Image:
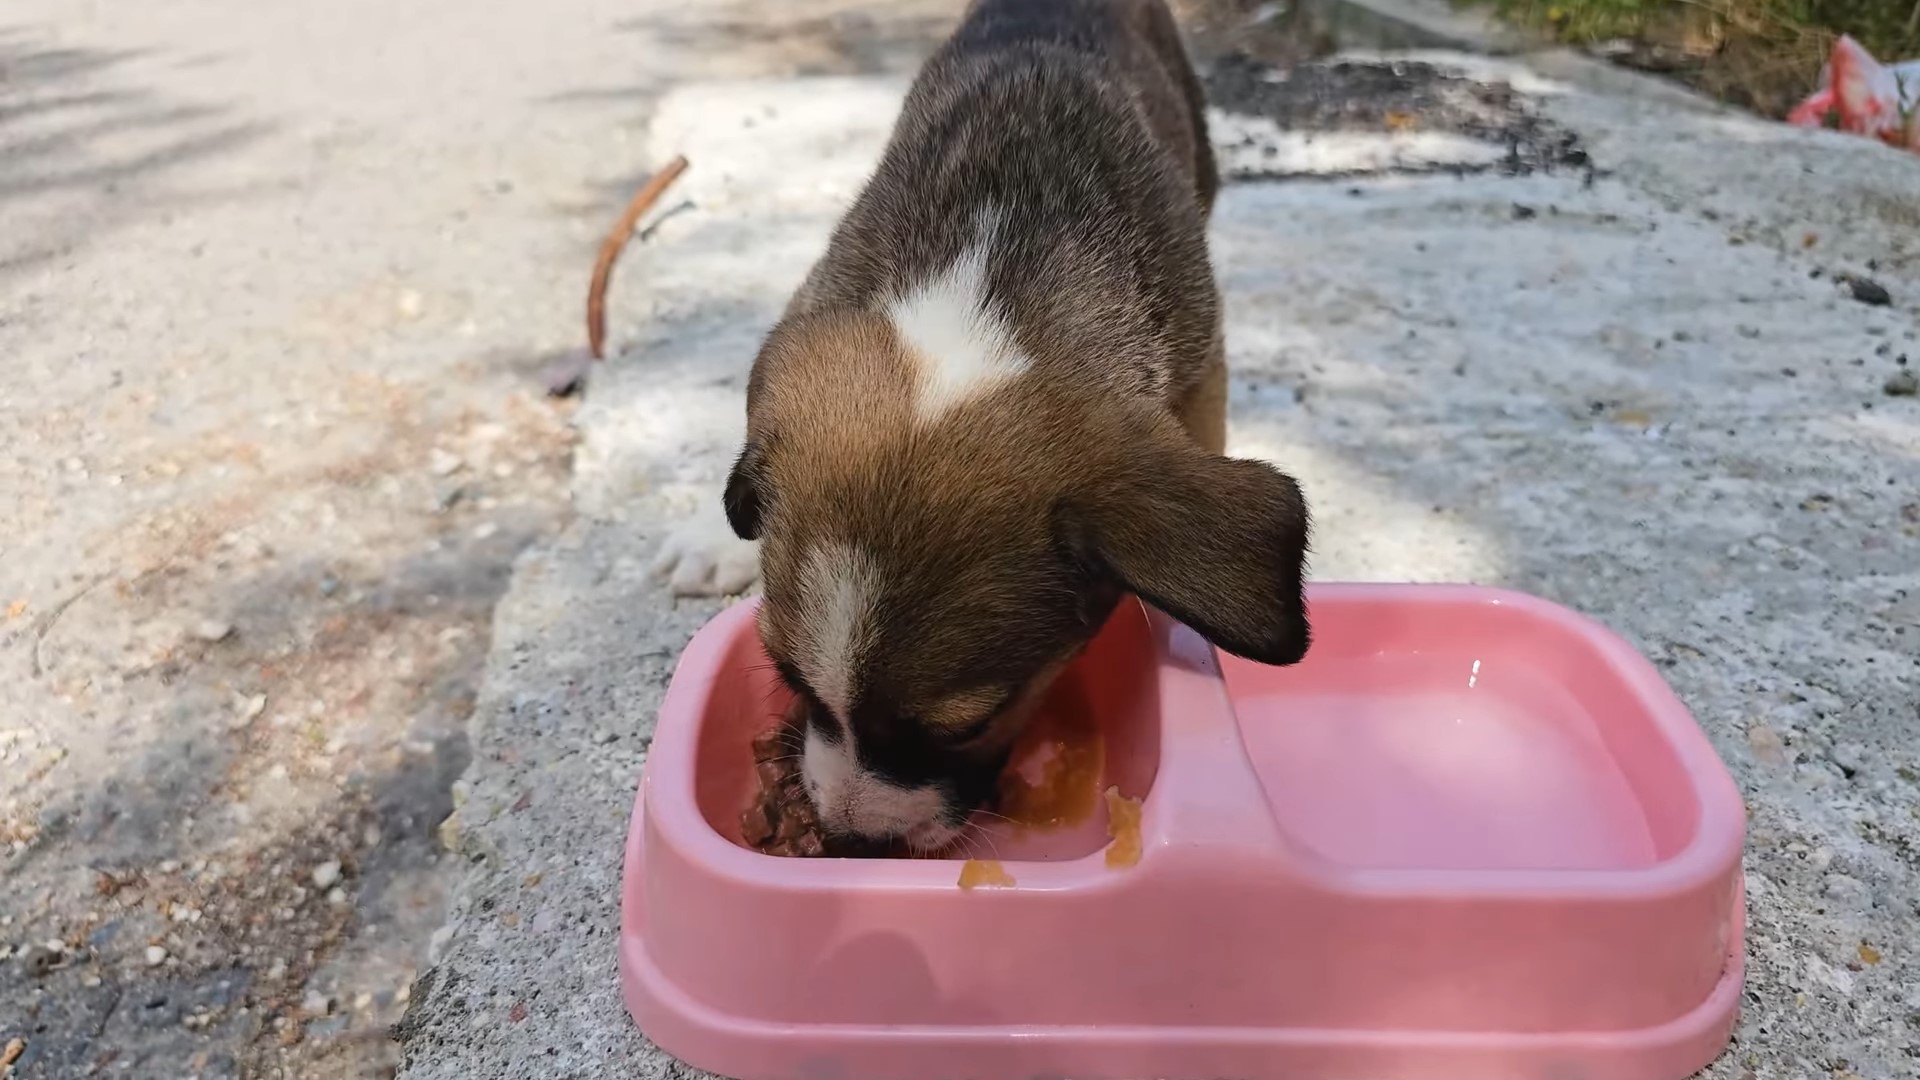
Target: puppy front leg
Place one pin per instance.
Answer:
(702, 557)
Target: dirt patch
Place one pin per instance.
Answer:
(1395, 99)
(245, 880)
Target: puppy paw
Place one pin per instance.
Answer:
(703, 557)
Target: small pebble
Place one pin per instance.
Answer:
(1851, 757)
(1768, 747)
(247, 709)
(1902, 383)
(1836, 979)
(337, 896)
(156, 955)
(444, 463)
(316, 1003)
(326, 875)
(212, 630)
(1868, 291)
(39, 960)
(1850, 893)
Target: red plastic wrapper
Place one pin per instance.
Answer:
(1862, 96)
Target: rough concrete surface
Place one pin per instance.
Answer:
(277, 282)
(1639, 392)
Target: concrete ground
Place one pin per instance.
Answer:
(1637, 390)
(275, 284)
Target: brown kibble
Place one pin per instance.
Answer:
(773, 743)
(1123, 824)
(792, 824)
(984, 873)
(781, 820)
(1869, 955)
(772, 774)
(755, 829)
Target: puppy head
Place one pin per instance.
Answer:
(929, 572)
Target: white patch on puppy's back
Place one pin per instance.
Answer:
(839, 588)
(961, 346)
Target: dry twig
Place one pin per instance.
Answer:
(611, 247)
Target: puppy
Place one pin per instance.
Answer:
(996, 406)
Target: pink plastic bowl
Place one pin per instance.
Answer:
(1474, 836)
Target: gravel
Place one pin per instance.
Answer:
(1392, 99)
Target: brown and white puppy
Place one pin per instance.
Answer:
(997, 405)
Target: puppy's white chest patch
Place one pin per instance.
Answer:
(960, 345)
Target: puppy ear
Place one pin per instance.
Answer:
(1218, 543)
(745, 494)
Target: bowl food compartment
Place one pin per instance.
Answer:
(1098, 728)
(1472, 835)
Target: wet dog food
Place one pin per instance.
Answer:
(781, 820)
(984, 873)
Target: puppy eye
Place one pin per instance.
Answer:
(790, 675)
(978, 729)
(984, 706)
(816, 713)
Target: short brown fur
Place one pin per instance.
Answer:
(1071, 135)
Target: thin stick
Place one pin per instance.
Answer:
(611, 247)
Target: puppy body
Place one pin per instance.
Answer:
(995, 406)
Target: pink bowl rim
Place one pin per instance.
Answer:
(1718, 837)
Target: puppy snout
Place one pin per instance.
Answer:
(853, 800)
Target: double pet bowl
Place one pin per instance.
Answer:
(1473, 836)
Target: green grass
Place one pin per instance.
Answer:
(1762, 54)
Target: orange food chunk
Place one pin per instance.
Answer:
(1053, 777)
(984, 873)
(1123, 824)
